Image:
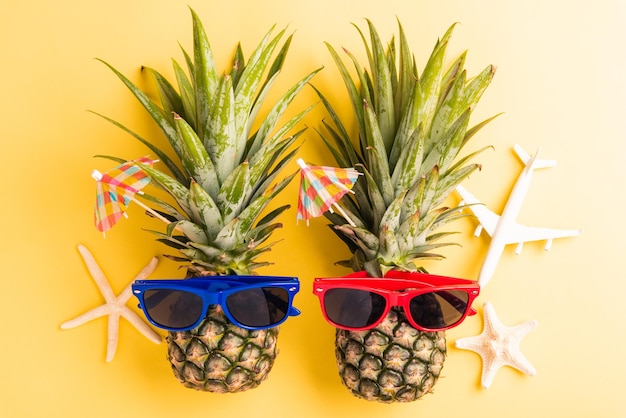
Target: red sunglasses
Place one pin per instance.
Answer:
(432, 303)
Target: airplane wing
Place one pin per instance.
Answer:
(488, 219)
(518, 234)
(532, 160)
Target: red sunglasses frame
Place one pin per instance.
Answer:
(398, 288)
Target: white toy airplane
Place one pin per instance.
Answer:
(503, 229)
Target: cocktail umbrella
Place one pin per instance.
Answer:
(116, 189)
(320, 189)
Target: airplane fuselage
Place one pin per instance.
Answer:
(505, 223)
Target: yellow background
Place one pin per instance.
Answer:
(560, 83)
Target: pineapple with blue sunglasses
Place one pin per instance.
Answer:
(250, 302)
(223, 179)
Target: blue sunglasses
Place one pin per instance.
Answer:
(250, 302)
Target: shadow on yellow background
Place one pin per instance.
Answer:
(559, 81)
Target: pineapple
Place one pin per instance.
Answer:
(222, 179)
(411, 128)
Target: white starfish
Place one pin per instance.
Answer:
(498, 345)
(114, 306)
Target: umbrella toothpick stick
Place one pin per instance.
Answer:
(151, 211)
(345, 216)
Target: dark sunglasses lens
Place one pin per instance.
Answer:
(260, 307)
(353, 308)
(172, 308)
(439, 309)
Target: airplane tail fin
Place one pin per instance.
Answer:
(533, 160)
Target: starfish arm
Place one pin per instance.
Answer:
(126, 294)
(514, 356)
(470, 343)
(138, 323)
(97, 274)
(148, 269)
(524, 328)
(498, 345)
(91, 314)
(113, 334)
(492, 324)
(521, 363)
(490, 368)
(115, 306)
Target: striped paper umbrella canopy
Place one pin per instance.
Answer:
(321, 187)
(115, 189)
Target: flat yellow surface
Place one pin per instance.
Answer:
(560, 83)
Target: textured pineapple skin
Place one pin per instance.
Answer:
(221, 357)
(393, 362)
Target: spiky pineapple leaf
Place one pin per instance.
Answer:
(271, 216)
(238, 64)
(270, 178)
(389, 249)
(205, 75)
(383, 90)
(409, 174)
(175, 189)
(473, 130)
(186, 94)
(259, 167)
(221, 142)
(407, 75)
(170, 99)
(408, 229)
(259, 235)
(278, 63)
(408, 166)
(166, 210)
(409, 123)
(233, 194)
(450, 180)
(193, 232)
(380, 173)
(372, 203)
(353, 92)
(208, 250)
(391, 218)
(157, 151)
(195, 158)
(204, 210)
(454, 140)
(340, 135)
(430, 88)
(153, 110)
(250, 81)
(447, 147)
(361, 238)
(271, 118)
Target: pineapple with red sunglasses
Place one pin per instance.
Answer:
(391, 315)
(429, 303)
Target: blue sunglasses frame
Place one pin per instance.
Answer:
(215, 290)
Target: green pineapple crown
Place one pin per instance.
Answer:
(225, 174)
(411, 129)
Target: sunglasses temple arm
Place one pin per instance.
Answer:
(472, 311)
(293, 311)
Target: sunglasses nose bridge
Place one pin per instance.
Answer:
(396, 298)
